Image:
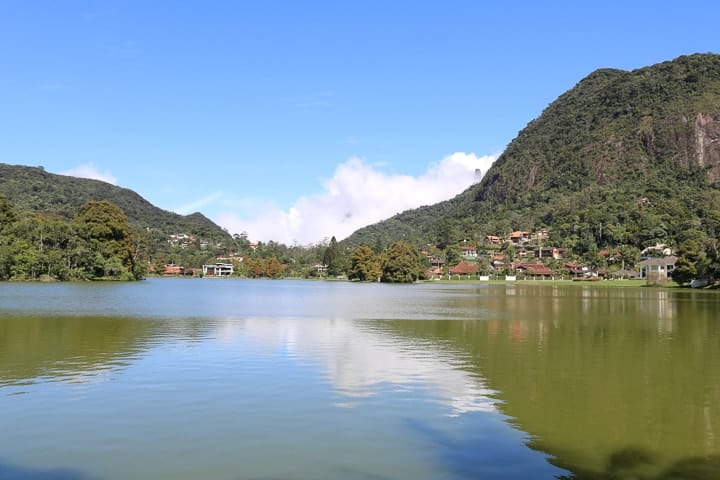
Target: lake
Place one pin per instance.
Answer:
(251, 379)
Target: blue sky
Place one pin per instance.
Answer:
(301, 120)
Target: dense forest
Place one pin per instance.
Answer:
(96, 243)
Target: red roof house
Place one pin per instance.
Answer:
(464, 268)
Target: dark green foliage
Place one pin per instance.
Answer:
(692, 262)
(106, 229)
(698, 261)
(332, 258)
(401, 263)
(33, 189)
(623, 158)
(96, 244)
(7, 213)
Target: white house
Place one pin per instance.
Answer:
(657, 268)
(218, 270)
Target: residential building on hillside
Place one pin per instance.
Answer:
(519, 237)
(550, 252)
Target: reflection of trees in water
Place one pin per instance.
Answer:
(79, 348)
(634, 366)
(640, 464)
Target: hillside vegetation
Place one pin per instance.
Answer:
(34, 189)
(623, 158)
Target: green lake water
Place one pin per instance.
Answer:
(241, 379)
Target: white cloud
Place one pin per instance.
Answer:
(357, 195)
(198, 204)
(89, 170)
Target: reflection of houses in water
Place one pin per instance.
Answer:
(661, 306)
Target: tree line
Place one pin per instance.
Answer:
(97, 243)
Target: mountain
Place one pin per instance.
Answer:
(34, 189)
(622, 158)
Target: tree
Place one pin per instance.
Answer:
(691, 262)
(712, 254)
(401, 263)
(330, 258)
(7, 213)
(106, 227)
(364, 265)
(453, 254)
(447, 234)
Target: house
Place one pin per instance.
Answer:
(578, 271)
(657, 268)
(176, 270)
(434, 273)
(321, 269)
(609, 255)
(436, 262)
(550, 252)
(182, 240)
(468, 251)
(659, 249)
(540, 235)
(218, 270)
(628, 274)
(535, 270)
(464, 268)
(497, 260)
(519, 237)
(492, 240)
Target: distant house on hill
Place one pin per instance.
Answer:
(464, 268)
(492, 240)
(436, 262)
(469, 251)
(550, 252)
(657, 250)
(519, 237)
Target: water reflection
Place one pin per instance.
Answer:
(82, 349)
(597, 376)
(361, 358)
(456, 381)
(15, 472)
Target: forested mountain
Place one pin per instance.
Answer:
(623, 158)
(34, 189)
(69, 228)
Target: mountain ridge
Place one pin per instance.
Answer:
(34, 189)
(623, 157)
